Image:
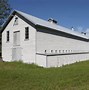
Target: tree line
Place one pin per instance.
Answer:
(5, 10)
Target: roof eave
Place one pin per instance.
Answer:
(37, 25)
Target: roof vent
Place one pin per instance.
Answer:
(83, 33)
(52, 20)
(72, 28)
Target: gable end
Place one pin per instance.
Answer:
(19, 15)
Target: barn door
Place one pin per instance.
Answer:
(16, 38)
(16, 50)
(16, 54)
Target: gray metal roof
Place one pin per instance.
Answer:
(44, 23)
(38, 21)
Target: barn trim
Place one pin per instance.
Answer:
(59, 33)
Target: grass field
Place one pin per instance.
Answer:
(19, 76)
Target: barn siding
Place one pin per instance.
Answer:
(60, 60)
(27, 46)
(41, 60)
(48, 42)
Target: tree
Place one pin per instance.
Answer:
(4, 12)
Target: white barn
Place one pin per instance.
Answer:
(33, 40)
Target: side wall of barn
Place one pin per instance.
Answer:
(52, 42)
(60, 60)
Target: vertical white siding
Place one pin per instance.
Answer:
(41, 60)
(60, 60)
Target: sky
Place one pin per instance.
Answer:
(68, 13)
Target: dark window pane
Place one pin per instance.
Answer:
(16, 21)
(7, 35)
(27, 33)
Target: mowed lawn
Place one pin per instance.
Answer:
(19, 76)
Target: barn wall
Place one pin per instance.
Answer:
(41, 60)
(60, 60)
(27, 46)
(57, 43)
(48, 42)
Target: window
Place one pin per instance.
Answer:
(16, 21)
(69, 51)
(16, 38)
(8, 36)
(45, 51)
(59, 51)
(66, 51)
(51, 51)
(63, 51)
(55, 51)
(26, 32)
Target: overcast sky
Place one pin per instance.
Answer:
(68, 13)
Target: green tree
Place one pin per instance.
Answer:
(4, 12)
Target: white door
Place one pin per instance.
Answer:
(16, 51)
(16, 54)
(16, 38)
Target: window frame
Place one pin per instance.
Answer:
(26, 33)
(16, 21)
(8, 36)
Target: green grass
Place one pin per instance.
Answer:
(19, 76)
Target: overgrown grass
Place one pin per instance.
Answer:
(19, 76)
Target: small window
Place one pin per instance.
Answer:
(63, 51)
(59, 51)
(26, 32)
(16, 21)
(68, 50)
(51, 51)
(45, 51)
(8, 36)
(55, 51)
